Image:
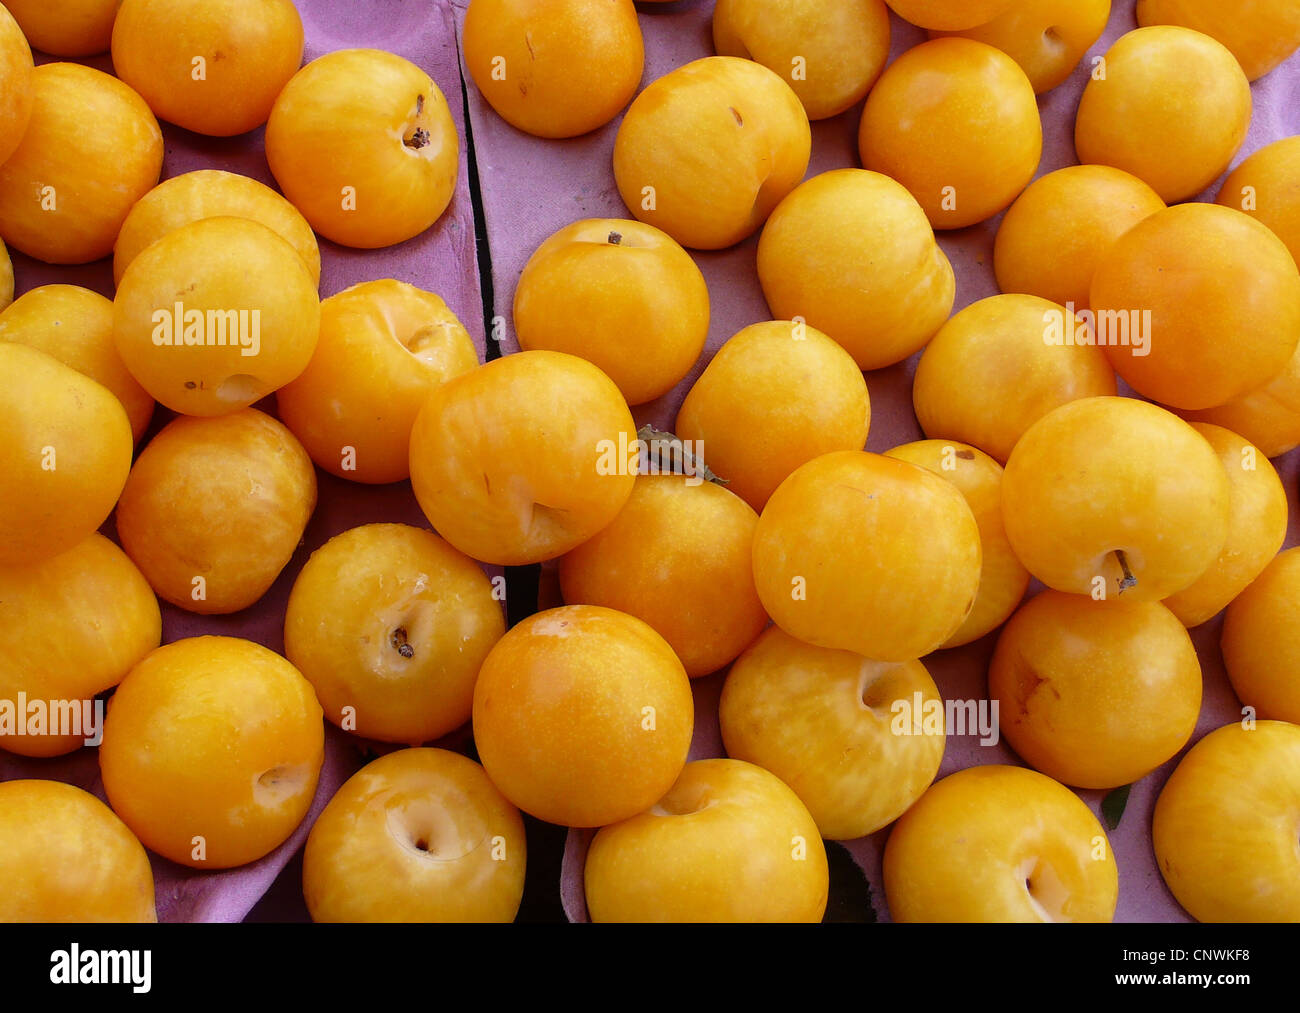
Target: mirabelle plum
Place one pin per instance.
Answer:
(1257, 522)
(65, 857)
(831, 51)
(75, 325)
(1003, 579)
(956, 122)
(851, 253)
(1259, 33)
(15, 84)
(1269, 416)
(383, 347)
(990, 374)
(1095, 693)
(554, 68)
(214, 509)
(419, 835)
(620, 294)
(363, 143)
(1224, 825)
(828, 724)
(6, 277)
(1261, 650)
(66, 189)
(1053, 237)
(1047, 38)
(678, 557)
(1218, 296)
(728, 843)
(949, 15)
(583, 716)
(1000, 844)
(1172, 108)
(211, 66)
(709, 149)
(390, 625)
(1267, 187)
(65, 455)
(869, 554)
(212, 749)
(1112, 494)
(216, 315)
(211, 193)
(106, 619)
(68, 28)
(524, 458)
(750, 413)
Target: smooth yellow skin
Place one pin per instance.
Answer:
(211, 193)
(1260, 648)
(419, 835)
(620, 294)
(65, 456)
(554, 69)
(823, 722)
(1225, 825)
(66, 189)
(865, 553)
(1224, 297)
(1047, 38)
(678, 557)
(384, 346)
(1053, 237)
(75, 325)
(1003, 579)
(1108, 473)
(843, 45)
(16, 83)
(225, 499)
(750, 410)
(721, 141)
(949, 15)
(69, 28)
(73, 626)
(507, 460)
(1259, 33)
(728, 843)
(217, 738)
(1000, 844)
(956, 122)
(1268, 416)
(851, 253)
(250, 49)
(583, 715)
(1257, 522)
(374, 123)
(1096, 694)
(1267, 187)
(65, 857)
(341, 631)
(218, 265)
(988, 375)
(1173, 109)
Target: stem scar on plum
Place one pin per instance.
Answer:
(615, 238)
(397, 640)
